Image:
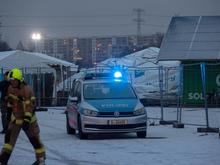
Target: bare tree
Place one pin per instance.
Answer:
(20, 46)
(4, 46)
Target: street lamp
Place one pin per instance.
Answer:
(36, 37)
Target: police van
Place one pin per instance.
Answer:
(104, 103)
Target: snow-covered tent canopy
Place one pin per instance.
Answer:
(136, 59)
(143, 68)
(23, 59)
(140, 59)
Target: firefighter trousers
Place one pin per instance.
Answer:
(11, 137)
(5, 116)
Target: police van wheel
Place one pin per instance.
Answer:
(141, 134)
(81, 134)
(69, 130)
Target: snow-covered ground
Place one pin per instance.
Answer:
(164, 144)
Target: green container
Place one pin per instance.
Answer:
(192, 84)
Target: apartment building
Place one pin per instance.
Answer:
(89, 51)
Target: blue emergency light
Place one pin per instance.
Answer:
(117, 74)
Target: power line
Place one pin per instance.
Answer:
(63, 16)
(155, 25)
(155, 15)
(63, 26)
(78, 16)
(80, 26)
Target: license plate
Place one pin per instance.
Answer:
(117, 122)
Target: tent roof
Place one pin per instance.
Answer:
(192, 38)
(23, 59)
(148, 55)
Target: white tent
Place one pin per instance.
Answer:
(136, 59)
(23, 59)
(36, 63)
(143, 69)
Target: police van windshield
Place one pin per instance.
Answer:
(108, 91)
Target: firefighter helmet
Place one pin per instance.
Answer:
(16, 74)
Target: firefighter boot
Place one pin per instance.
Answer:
(40, 161)
(3, 163)
(4, 157)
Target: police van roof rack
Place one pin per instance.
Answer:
(97, 73)
(96, 76)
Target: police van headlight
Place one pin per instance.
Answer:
(89, 112)
(140, 111)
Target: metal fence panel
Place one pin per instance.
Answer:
(176, 87)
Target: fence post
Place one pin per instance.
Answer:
(181, 92)
(38, 88)
(44, 100)
(203, 76)
(178, 124)
(161, 91)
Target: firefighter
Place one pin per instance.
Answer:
(22, 99)
(5, 111)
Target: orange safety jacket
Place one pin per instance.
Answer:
(22, 101)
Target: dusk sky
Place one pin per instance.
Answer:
(86, 18)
